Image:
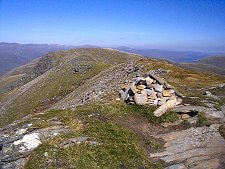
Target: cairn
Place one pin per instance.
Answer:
(150, 90)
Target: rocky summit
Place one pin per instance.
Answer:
(150, 90)
(102, 108)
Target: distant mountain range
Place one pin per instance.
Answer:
(176, 56)
(13, 55)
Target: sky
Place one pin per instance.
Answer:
(157, 24)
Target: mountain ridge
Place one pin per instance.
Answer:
(66, 108)
(14, 54)
(173, 55)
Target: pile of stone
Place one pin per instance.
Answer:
(150, 90)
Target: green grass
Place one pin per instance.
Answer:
(218, 91)
(153, 143)
(185, 81)
(193, 101)
(218, 107)
(147, 111)
(40, 124)
(118, 148)
(202, 120)
(61, 81)
(56, 85)
(119, 108)
(100, 111)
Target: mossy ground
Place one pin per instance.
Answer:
(153, 143)
(118, 147)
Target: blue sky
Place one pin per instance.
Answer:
(163, 24)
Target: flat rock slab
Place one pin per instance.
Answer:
(209, 112)
(196, 148)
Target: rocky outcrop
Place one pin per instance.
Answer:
(16, 144)
(150, 90)
(210, 113)
(195, 148)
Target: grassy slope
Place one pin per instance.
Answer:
(186, 81)
(214, 64)
(16, 74)
(120, 147)
(59, 81)
(218, 61)
(203, 67)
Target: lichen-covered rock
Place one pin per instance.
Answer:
(28, 142)
(158, 87)
(141, 87)
(140, 98)
(149, 91)
(149, 81)
(197, 148)
(153, 96)
(134, 88)
(167, 93)
(167, 106)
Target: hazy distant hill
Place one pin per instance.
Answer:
(14, 54)
(177, 56)
(218, 61)
(211, 64)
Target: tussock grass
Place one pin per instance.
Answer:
(202, 120)
(153, 144)
(193, 101)
(117, 148)
(119, 108)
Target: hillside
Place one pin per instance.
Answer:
(9, 78)
(54, 76)
(172, 55)
(63, 111)
(13, 55)
(218, 61)
(210, 64)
